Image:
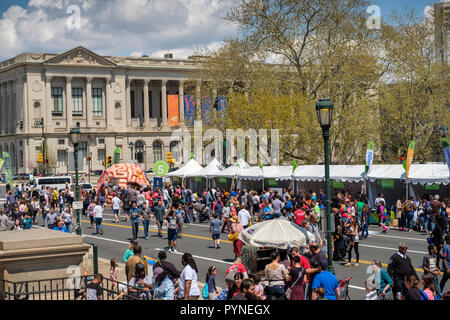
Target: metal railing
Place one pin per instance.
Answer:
(68, 288)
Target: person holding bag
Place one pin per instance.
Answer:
(236, 229)
(297, 276)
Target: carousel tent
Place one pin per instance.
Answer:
(278, 233)
(192, 167)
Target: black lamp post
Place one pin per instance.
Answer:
(324, 109)
(131, 144)
(75, 136)
(443, 131)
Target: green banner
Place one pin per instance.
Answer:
(432, 187)
(294, 165)
(1, 163)
(272, 182)
(223, 180)
(338, 185)
(116, 157)
(160, 168)
(387, 184)
(176, 179)
(8, 168)
(198, 179)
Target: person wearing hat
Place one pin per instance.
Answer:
(162, 285)
(327, 280)
(236, 229)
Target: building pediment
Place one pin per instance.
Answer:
(80, 56)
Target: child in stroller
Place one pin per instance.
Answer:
(203, 212)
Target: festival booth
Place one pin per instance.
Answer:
(121, 175)
(263, 238)
(312, 177)
(228, 178)
(207, 173)
(190, 168)
(432, 179)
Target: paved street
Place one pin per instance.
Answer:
(197, 241)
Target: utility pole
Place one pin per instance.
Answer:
(43, 147)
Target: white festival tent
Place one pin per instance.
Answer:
(278, 233)
(210, 171)
(233, 171)
(191, 167)
(344, 173)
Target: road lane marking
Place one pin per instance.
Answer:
(403, 238)
(386, 248)
(383, 264)
(355, 287)
(198, 257)
(156, 231)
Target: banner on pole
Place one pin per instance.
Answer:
(1, 163)
(445, 143)
(157, 183)
(116, 155)
(409, 158)
(8, 168)
(189, 110)
(369, 156)
(173, 113)
(294, 166)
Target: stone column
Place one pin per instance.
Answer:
(198, 101)
(164, 102)
(26, 107)
(181, 101)
(48, 105)
(146, 104)
(69, 103)
(109, 106)
(2, 111)
(11, 122)
(89, 102)
(128, 100)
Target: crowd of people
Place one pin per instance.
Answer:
(297, 274)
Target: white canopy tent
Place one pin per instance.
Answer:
(210, 171)
(190, 168)
(278, 233)
(432, 173)
(234, 170)
(345, 173)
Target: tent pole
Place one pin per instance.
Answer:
(406, 190)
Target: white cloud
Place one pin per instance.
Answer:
(116, 27)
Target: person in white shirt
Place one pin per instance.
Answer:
(116, 207)
(188, 287)
(98, 217)
(244, 216)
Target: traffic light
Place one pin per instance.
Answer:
(109, 161)
(40, 157)
(88, 158)
(169, 157)
(103, 163)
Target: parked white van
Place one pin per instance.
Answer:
(58, 182)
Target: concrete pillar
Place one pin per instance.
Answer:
(164, 102)
(181, 101)
(128, 99)
(26, 107)
(48, 99)
(89, 102)
(109, 105)
(146, 104)
(69, 103)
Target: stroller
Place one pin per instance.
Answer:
(203, 212)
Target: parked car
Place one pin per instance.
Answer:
(87, 186)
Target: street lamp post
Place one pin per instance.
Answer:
(324, 109)
(75, 136)
(131, 144)
(444, 141)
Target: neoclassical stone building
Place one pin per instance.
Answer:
(113, 100)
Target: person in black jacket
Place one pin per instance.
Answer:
(399, 268)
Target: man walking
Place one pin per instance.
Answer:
(135, 217)
(399, 268)
(160, 212)
(244, 216)
(130, 266)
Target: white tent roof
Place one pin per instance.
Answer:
(278, 172)
(429, 174)
(211, 170)
(350, 173)
(234, 170)
(386, 171)
(190, 168)
(278, 233)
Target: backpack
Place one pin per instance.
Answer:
(232, 273)
(172, 223)
(205, 292)
(429, 209)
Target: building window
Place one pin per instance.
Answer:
(101, 156)
(175, 150)
(97, 102)
(61, 141)
(57, 102)
(133, 105)
(20, 159)
(77, 102)
(101, 141)
(139, 155)
(61, 158)
(157, 151)
(82, 147)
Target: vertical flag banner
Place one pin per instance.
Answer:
(189, 110)
(206, 109)
(1, 163)
(221, 106)
(445, 143)
(294, 166)
(116, 155)
(369, 156)
(409, 158)
(8, 168)
(172, 106)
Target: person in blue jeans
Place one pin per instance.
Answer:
(365, 221)
(327, 280)
(445, 262)
(135, 216)
(145, 219)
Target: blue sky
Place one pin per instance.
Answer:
(128, 27)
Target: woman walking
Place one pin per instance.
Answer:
(68, 218)
(236, 229)
(353, 242)
(276, 274)
(98, 217)
(188, 287)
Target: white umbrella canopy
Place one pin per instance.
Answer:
(278, 233)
